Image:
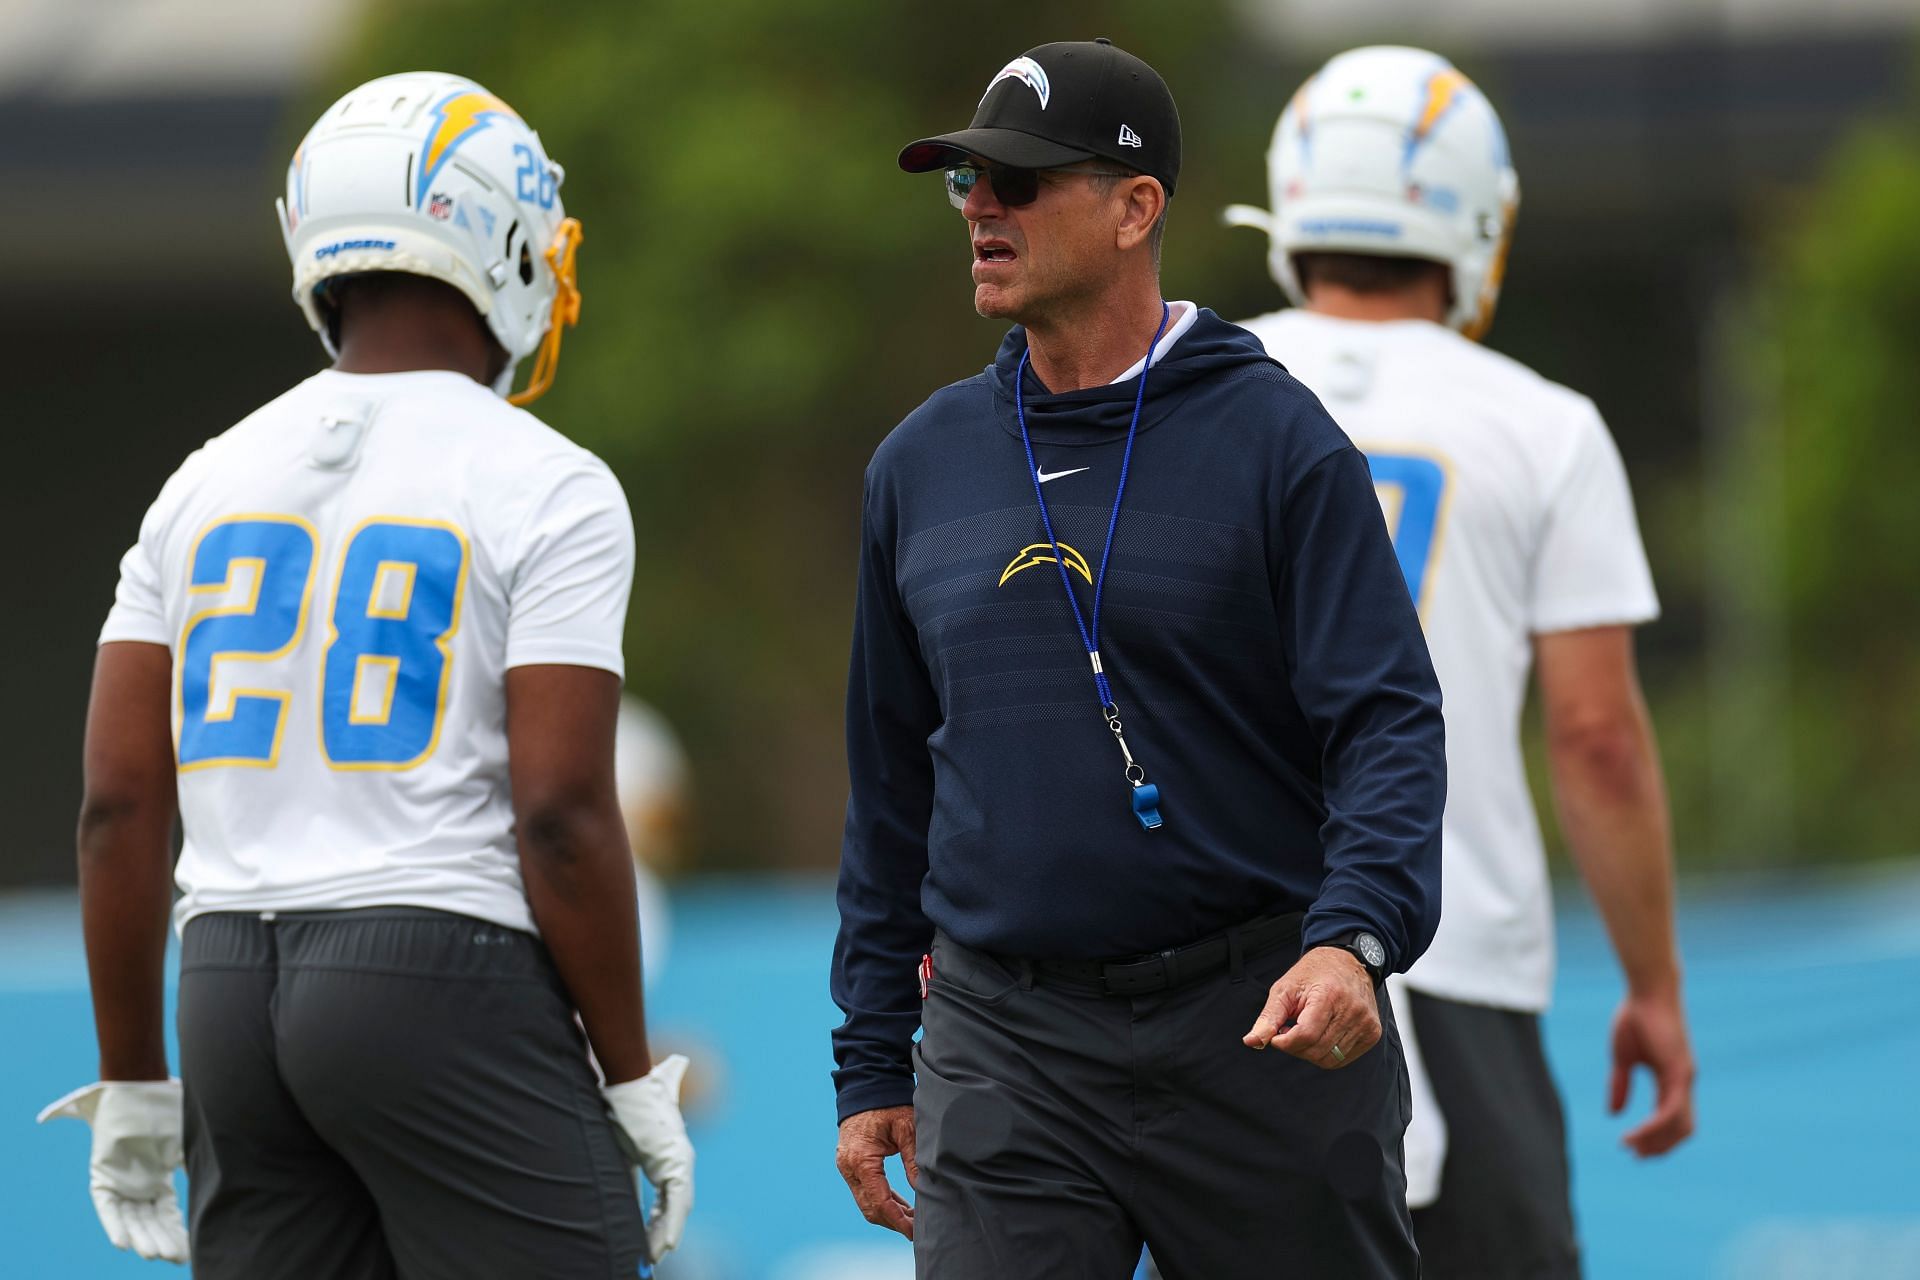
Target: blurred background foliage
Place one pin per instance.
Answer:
(767, 295)
(1839, 377)
(1716, 244)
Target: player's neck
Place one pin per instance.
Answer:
(1096, 343)
(1417, 303)
(401, 336)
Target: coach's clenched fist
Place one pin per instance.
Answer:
(1322, 1010)
(866, 1140)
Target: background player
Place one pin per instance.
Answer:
(652, 781)
(1393, 203)
(349, 625)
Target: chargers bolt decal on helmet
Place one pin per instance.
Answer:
(428, 173)
(1392, 151)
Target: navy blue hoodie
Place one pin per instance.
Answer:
(1266, 659)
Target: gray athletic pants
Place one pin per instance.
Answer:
(1505, 1207)
(1059, 1129)
(392, 1093)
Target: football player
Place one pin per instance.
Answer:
(651, 778)
(1393, 203)
(369, 644)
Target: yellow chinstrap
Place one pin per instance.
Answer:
(566, 311)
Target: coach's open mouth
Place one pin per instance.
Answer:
(993, 251)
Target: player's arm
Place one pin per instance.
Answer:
(1612, 803)
(573, 851)
(572, 569)
(579, 877)
(125, 846)
(126, 855)
(126, 865)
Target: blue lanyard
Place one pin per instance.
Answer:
(1146, 795)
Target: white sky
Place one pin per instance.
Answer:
(109, 48)
(1496, 23)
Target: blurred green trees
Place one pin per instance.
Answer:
(1793, 735)
(765, 296)
(1837, 374)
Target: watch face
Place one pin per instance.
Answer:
(1370, 948)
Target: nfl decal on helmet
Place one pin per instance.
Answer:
(1392, 151)
(430, 174)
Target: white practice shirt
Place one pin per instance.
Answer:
(1511, 516)
(343, 580)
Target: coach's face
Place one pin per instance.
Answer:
(1031, 258)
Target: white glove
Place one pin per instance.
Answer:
(137, 1144)
(646, 1115)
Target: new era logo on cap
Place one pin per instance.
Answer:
(1128, 138)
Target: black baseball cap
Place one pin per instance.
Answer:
(1065, 102)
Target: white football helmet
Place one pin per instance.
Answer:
(429, 173)
(650, 772)
(1392, 151)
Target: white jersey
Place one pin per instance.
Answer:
(1511, 517)
(343, 580)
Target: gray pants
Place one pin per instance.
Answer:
(392, 1093)
(1505, 1207)
(1059, 1129)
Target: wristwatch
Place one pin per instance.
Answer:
(1367, 949)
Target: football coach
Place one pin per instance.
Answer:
(1146, 754)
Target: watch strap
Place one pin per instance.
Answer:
(1350, 943)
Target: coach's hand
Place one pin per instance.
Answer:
(137, 1140)
(646, 1113)
(866, 1140)
(1651, 1031)
(1322, 1010)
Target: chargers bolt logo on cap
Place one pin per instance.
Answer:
(1112, 105)
(1027, 72)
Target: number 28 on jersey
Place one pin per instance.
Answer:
(383, 675)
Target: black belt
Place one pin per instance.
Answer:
(1176, 966)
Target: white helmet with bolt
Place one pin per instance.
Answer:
(1393, 152)
(428, 173)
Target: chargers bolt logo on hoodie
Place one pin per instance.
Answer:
(1042, 553)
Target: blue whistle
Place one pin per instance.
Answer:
(1146, 805)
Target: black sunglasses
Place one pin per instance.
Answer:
(1013, 186)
